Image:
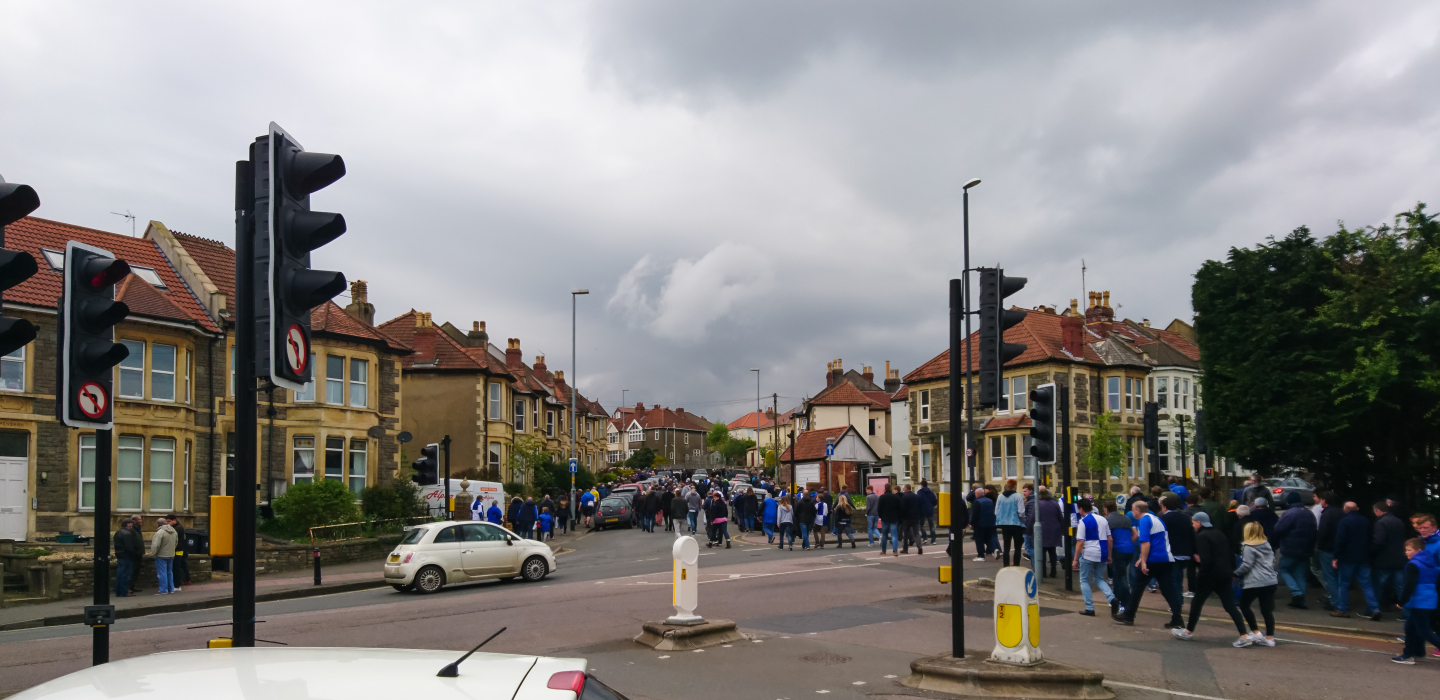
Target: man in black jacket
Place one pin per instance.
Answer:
(891, 510)
(805, 517)
(1182, 544)
(1387, 553)
(912, 509)
(1215, 572)
(1330, 515)
(129, 550)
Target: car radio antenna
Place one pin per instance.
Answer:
(453, 669)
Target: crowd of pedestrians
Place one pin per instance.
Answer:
(1192, 546)
(167, 544)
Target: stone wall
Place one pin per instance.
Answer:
(271, 558)
(69, 576)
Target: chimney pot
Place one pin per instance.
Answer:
(476, 326)
(359, 307)
(1106, 301)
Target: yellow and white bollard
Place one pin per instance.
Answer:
(685, 582)
(1017, 617)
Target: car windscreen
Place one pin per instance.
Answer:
(614, 503)
(414, 536)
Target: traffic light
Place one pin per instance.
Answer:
(994, 319)
(88, 351)
(1152, 426)
(286, 288)
(1201, 448)
(16, 202)
(1043, 414)
(427, 468)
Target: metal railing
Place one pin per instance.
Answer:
(375, 527)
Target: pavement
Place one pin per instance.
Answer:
(829, 622)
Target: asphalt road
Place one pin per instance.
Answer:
(845, 622)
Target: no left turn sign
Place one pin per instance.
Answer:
(297, 349)
(93, 400)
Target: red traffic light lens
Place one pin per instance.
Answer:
(100, 273)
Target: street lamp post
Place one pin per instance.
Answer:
(574, 392)
(959, 307)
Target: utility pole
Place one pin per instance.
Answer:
(774, 431)
(1065, 502)
(1184, 453)
(242, 625)
(574, 392)
(449, 506)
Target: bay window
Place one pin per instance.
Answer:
(302, 465)
(162, 372)
(132, 371)
(130, 469)
(162, 474)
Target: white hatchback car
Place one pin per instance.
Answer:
(434, 554)
(299, 673)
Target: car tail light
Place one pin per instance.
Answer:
(408, 556)
(573, 681)
(1279, 490)
(622, 511)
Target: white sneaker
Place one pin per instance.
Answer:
(978, 559)
(1188, 594)
(1265, 642)
(1242, 642)
(1182, 633)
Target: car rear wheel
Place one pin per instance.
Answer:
(429, 579)
(534, 569)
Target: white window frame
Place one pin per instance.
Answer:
(14, 359)
(156, 370)
(549, 423)
(350, 476)
(307, 394)
(637, 435)
(1185, 394)
(1020, 397)
(657, 435)
(997, 458)
(87, 448)
(158, 445)
(1012, 459)
(339, 473)
(1113, 402)
(185, 477)
(295, 450)
(1002, 402)
(121, 449)
(231, 392)
(189, 374)
(613, 437)
(359, 387)
(924, 406)
(337, 383)
(519, 415)
(121, 369)
(1162, 393)
(687, 438)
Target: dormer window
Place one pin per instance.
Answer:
(149, 275)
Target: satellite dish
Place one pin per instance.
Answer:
(376, 432)
(404, 437)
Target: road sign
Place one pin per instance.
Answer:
(969, 452)
(93, 400)
(1120, 501)
(573, 465)
(297, 349)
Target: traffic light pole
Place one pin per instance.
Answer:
(957, 545)
(100, 634)
(1063, 408)
(449, 508)
(243, 572)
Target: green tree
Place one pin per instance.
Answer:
(1105, 455)
(734, 450)
(528, 454)
(398, 499)
(717, 437)
(324, 502)
(644, 458)
(1321, 355)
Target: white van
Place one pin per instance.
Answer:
(486, 493)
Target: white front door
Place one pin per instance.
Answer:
(14, 497)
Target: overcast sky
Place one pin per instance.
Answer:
(739, 184)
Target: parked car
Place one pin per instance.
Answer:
(435, 554)
(295, 673)
(615, 512)
(1281, 489)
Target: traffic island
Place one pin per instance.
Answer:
(662, 636)
(976, 675)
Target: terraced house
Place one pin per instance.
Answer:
(675, 434)
(1109, 365)
(486, 399)
(173, 416)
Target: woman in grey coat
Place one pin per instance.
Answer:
(1257, 570)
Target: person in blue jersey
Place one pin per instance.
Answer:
(1122, 557)
(1092, 536)
(1420, 598)
(1155, 562)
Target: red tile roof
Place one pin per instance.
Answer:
(1002, 422)
(330, 319)
(753, 419)
(842, 394)
(878, 399)
(903, 394)
(216, 260)
(145, 300)
(811, 444)
(30, 234)
(1041, 334)
(659, 417)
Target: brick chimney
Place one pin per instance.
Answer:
(869, 374)
(512, 354)
(540, 364)
(837, 371)
(1099, 314)
(360, 306)
(1072, 335)
(424, 338)
(477, 337)
(829, 373)
(560, 377)
(892, 379)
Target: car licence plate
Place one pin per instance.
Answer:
(394, 558)
(612, 520)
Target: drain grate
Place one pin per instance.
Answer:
(825, 659)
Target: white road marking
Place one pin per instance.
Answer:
(858, 683)
(697, 651)
(727, 646)
(665, 657)
(892, 676)
(1162, 690)
(757, 641)
(734, 575)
